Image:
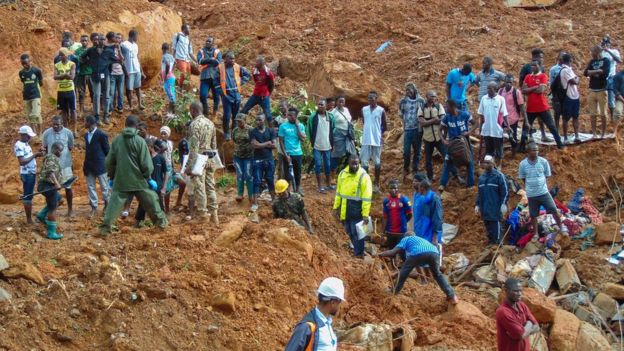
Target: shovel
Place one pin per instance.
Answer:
(291, 172)
(65, 185)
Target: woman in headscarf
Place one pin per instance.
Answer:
(175, 179)
(344, 143)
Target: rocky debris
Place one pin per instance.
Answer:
(466, 312)
(263, 31)
(590, 338)
(280, 235)
(564, 331)
(532, 40)
(3, 263)
(606, 232)
(231, 231)
(369, 336)
(155, 292)
(74, 313)
(5, 295)
(542, 307)
(566, 276)
(224, 302)
(26, 271)
(197, 238)
(607, 306)
(616, 291)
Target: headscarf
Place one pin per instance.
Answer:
(166, 130)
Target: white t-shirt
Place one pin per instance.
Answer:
(566, 74)
(322, 143)
(491, 109)
(24, 150)
(613, 64)
(341, 118)
(371, 135)
(132, 59)
(182, 47)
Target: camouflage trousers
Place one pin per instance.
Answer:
(204, 190)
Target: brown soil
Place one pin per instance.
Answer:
(147, 289)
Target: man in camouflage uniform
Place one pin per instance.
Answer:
(203, 140)
(289, 205)
(49, 185)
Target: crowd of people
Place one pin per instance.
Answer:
(268, 157)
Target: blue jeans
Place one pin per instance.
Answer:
(28, 184)
(433, 261)
(322, 157)
(204, 86)
(264, 170)
(358, 245)
(229, 109)
(263, 101)
(100, 89)
(169, 86)
(611, 93)
(116, 85)
(449, 167)
(243, 175)
(412, 141)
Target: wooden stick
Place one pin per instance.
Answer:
(499, 246)
(483, 256)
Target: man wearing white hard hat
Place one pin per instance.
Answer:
(28, 167)
(492, 196)
(314, 332)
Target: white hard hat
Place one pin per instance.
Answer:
(26, 130)
(488, 158)
(332, 287)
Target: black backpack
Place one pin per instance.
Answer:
(557, 89)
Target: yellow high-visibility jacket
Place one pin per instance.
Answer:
(354, 194)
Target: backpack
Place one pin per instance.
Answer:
(557, 89)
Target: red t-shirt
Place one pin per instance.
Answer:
(510, 326)
(395, 211)
(262, 84)
(536, 102)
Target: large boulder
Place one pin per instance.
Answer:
(607, 232)
(26, 271)
(465, 312)
(590, 338)
(334, 78)
(542, 307)
(616, 291)
(564, 331)
(607, 306)
(155, 27)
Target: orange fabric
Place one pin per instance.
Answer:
(223, 77)
(183, 66)
(312, 330)
(214, 56)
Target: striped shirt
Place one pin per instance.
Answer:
(414, 246)
(534, 175)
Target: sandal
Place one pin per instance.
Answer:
(321, 190)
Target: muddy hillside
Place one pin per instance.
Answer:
(244, 284)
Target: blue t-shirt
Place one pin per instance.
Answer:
(414, 246)
(534, 176)
(459, 84)
(456, 125)
(292, 144)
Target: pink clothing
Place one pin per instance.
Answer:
(514, 114)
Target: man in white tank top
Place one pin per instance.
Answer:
(374, 117)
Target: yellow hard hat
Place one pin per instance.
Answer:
(281, 186)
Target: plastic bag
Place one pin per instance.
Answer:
(364, 230)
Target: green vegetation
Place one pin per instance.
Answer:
(225, 180)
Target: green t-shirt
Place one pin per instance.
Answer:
(85, 68)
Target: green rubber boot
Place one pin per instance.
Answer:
(41, 215)
(52, 231)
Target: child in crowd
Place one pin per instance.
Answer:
(160, 176)
(175, 179)
(167, 77)
(397, 212)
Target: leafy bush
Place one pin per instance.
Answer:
(225, 180)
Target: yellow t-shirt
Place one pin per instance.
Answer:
(65, 68)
